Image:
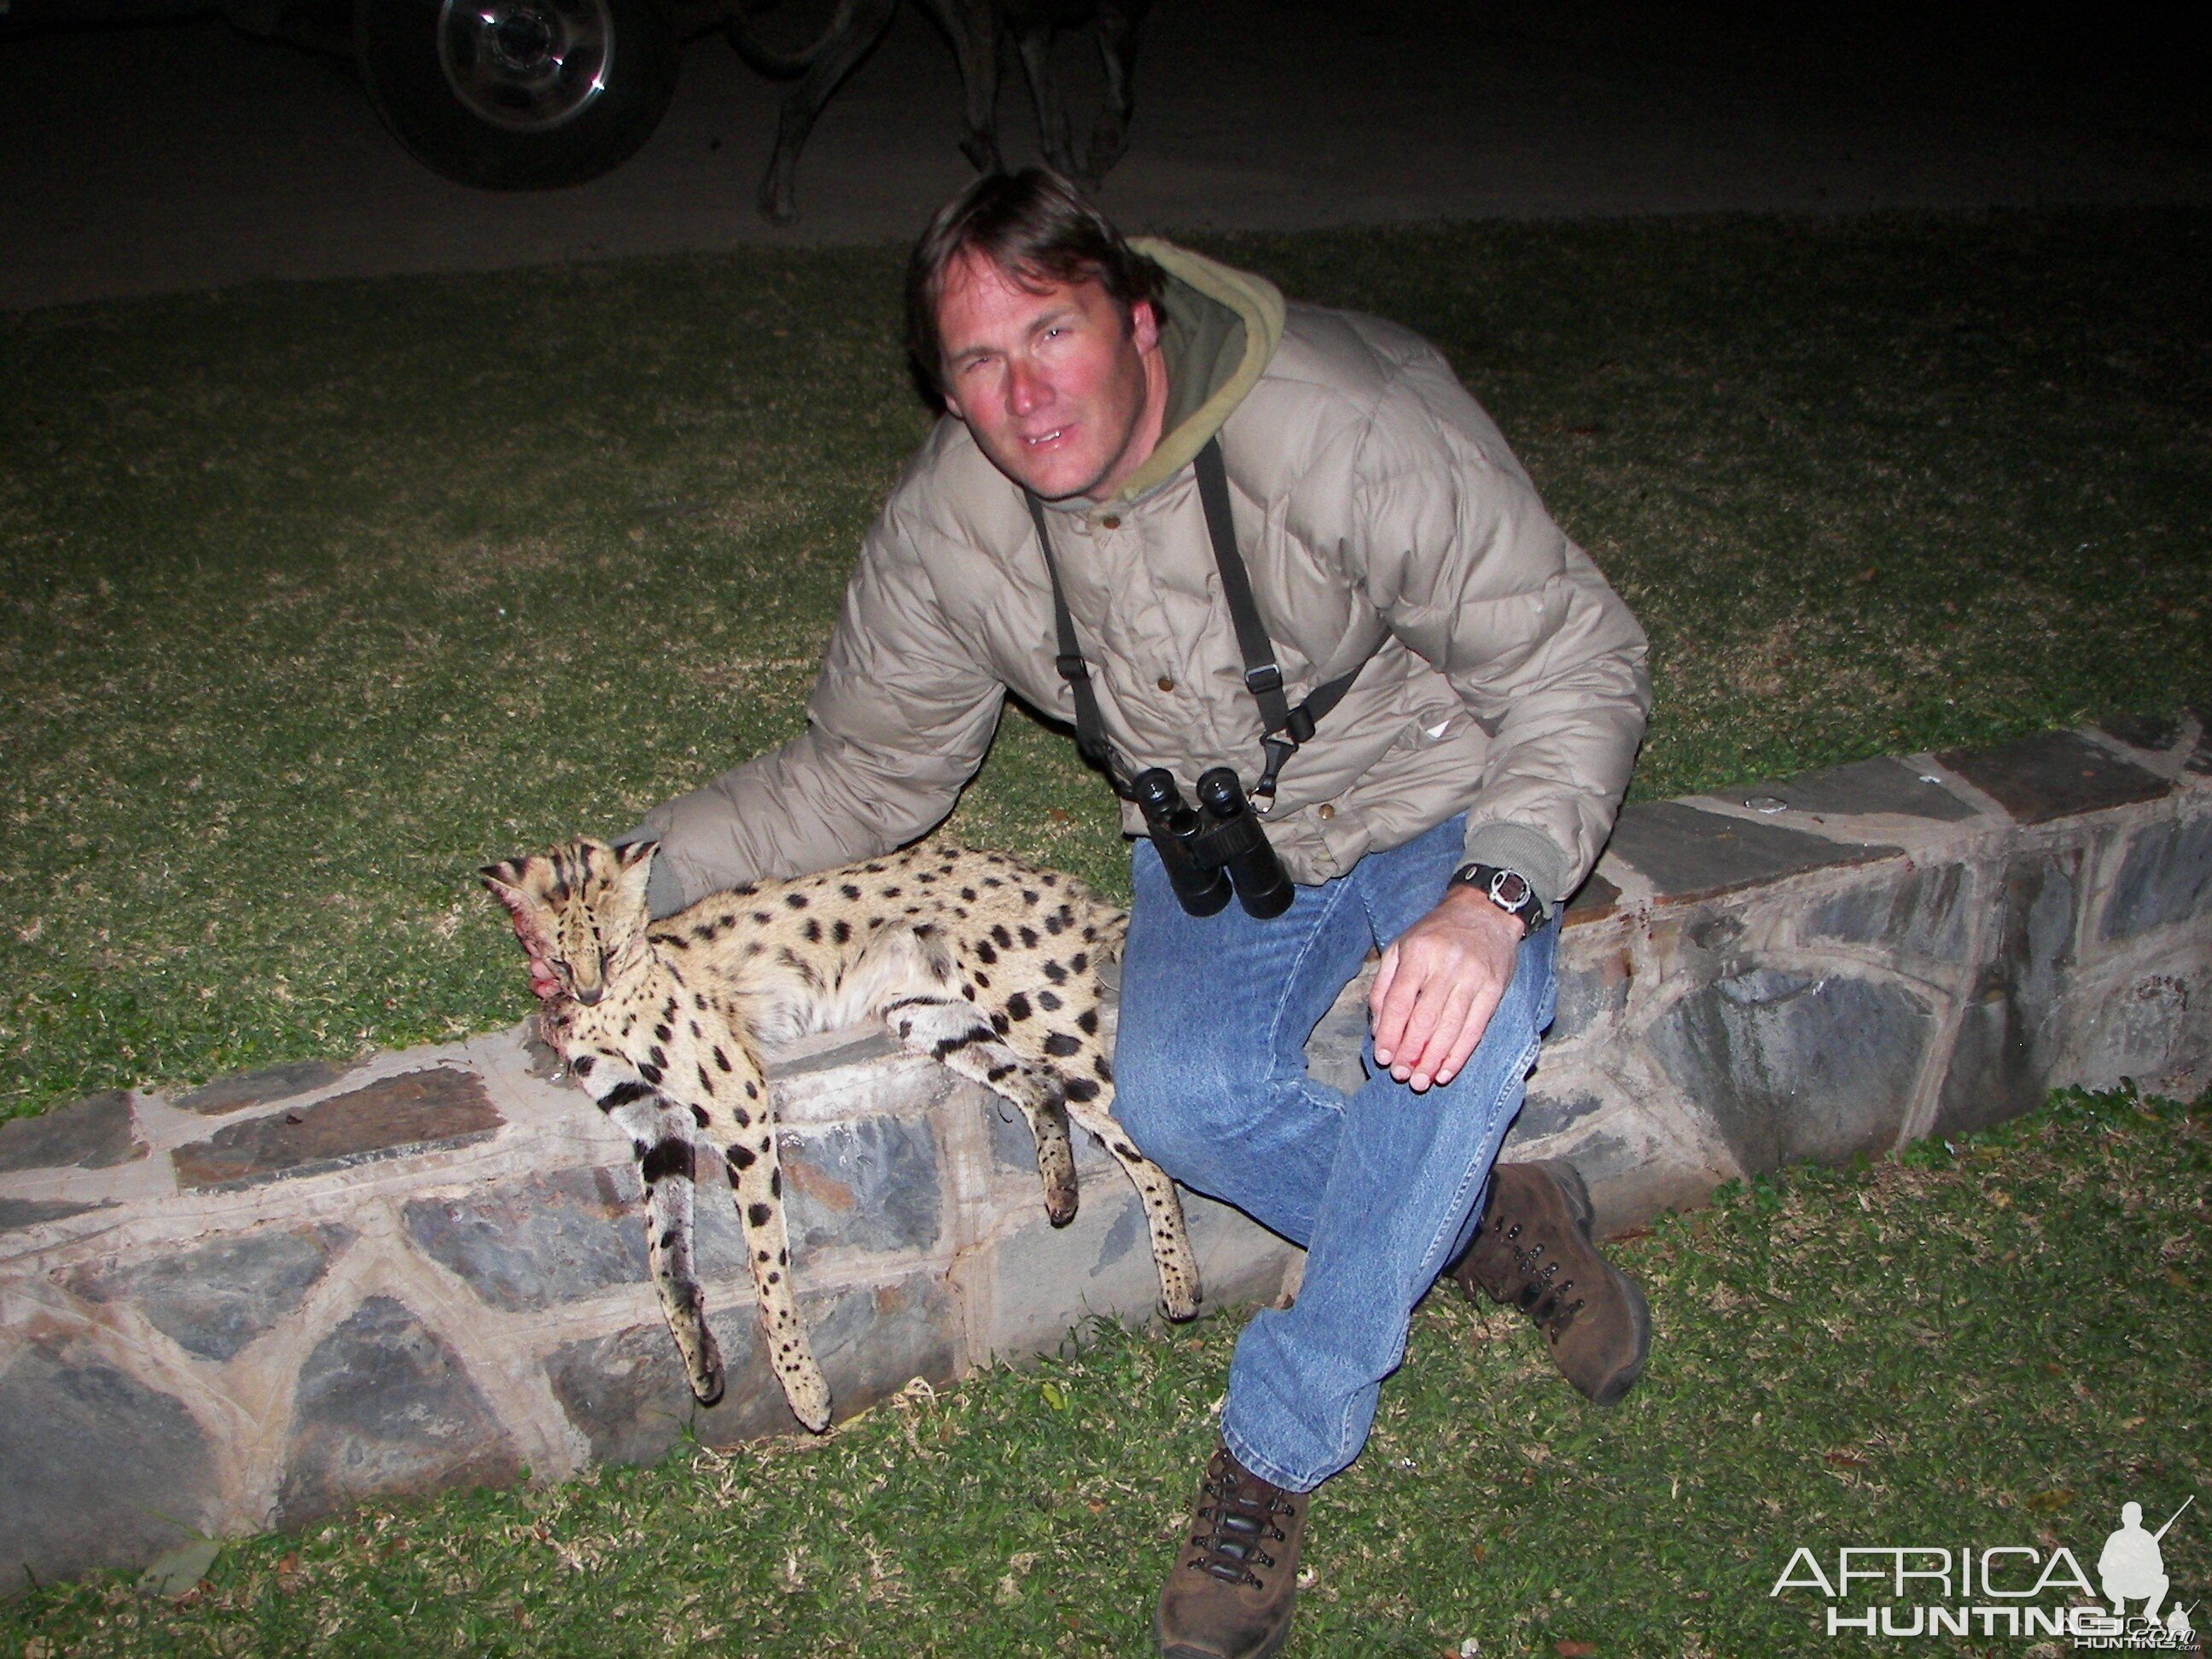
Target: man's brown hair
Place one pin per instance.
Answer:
(1036, 228)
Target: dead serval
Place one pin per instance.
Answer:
(976, 959)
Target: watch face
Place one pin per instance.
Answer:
(1509, 891)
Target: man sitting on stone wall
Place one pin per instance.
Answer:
(1216, 530)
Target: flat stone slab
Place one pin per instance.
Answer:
(386, 1408)
(92, 1134)
(2155, 732)
(2053, 775)
(1795, 1066)
(234, 1094)
(540, 1241)
(1687, 853)
(213, 1301)
(2166, 877)
(79, 1432)
(18, 1213)
(413, 1112)
(1869, 787)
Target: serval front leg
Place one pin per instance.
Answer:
(952, 1030)
(756, 1183)
(1177, 1264)
(667, 1163)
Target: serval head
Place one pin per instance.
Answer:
(580, 908)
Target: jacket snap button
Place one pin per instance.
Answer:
(1167, 682)
(1326, 810)
(1111, 521)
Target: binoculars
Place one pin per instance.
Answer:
(1207, 855)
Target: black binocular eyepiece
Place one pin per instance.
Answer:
(1208, 855)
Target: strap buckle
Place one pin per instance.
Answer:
(1264, 681)
(1071, 667)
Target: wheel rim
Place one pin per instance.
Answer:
(526, 65)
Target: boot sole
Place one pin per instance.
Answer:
(1266, 1650)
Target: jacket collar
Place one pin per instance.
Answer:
(1231, 303)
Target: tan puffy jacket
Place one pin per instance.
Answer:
(1378, 509)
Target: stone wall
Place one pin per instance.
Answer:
(258, 1303)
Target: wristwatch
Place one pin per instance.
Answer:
(1509, 890)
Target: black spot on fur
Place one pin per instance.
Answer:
(721, 1059)
(582, 1064)
(993, 881)
(706, 1083)
(745, 1118)
(953, 1045)
(1103, 1066)
(1029, 895)
(796, 901)
(763, 917)
(758, 1214)
(839, 932)
(1029, 938)
(1055, 973)
(1078, 962)
(849, 890)
(893, 892)
(1017, 1007)
(670, 1157)
(1082, 1089)
(1048, 1001)
(983, 980)
(1053, 924)
(813, 931)
(662, 1034)
(998, 1072)
(1004, 939)
(622, 1094)
(775, 1183)
(968, 893)
(1050, 879)
(752, 1092)
(699, 1115)
(739, 1156)
(1087, 1021)
(999, 1024)
(658, 1056)
(986, 952)
(1062, 1044)
(651, 1074)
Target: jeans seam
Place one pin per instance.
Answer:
(1528, 1053)
(1298, 968)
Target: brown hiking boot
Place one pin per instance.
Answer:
(1229, 1594)
(1534, 1250)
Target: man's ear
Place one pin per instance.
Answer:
(1145, 325)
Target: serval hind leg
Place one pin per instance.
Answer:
(1180, 1292)
(756, 1183)
(950, 1029)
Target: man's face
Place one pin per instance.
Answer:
(1056, 390)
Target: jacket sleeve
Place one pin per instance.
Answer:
(1458, 555)
(899, 721)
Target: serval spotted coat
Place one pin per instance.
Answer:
(976, 959)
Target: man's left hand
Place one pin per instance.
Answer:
(1440, 981)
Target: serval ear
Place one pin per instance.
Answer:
(634, 869)
(509, 882)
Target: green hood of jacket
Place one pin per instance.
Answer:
(1218, 330)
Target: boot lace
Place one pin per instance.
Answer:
(1545, 1302)
(1236, 1518)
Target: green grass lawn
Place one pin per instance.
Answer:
(316, 597)
(1995, 1347)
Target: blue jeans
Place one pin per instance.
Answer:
(1383, 1186)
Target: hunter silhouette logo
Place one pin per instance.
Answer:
(2007, 1590)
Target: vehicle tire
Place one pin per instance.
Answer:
(519, 94)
